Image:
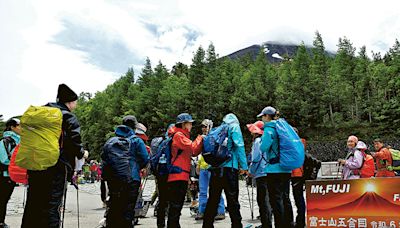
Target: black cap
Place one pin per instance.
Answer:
(65, 94)
(130, 121)
(12, 122)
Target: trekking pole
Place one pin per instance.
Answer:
(248, 196)
(252, 198)
(23, 200)
(77, 200)
(65, 197)
(338, 169)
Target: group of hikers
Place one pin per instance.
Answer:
(385, 162)
(221, 159)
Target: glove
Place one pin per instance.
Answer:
(390, 168)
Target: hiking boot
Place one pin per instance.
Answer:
(199, 216)
(220, 217)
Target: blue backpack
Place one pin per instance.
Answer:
(215, 149)
(116, 159)
(291, 149)
(161, 162)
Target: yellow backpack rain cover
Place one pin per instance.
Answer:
(41, 131)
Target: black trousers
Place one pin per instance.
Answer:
(176, 196)
(6, 189)
(263, 202)
(121, 206)
(298, 194)
(226, 179)
(162, 186)
(44, 199)
(278, 188)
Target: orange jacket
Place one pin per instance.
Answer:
(181, 141)
(299, 171)
(383, 159)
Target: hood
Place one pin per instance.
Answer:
(13, 135)
(174, 130)
(231, 119)
(169, 127)
(144, 137)
(271, 123)
(124, 131)
(58, 105)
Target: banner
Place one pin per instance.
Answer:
(368, 202)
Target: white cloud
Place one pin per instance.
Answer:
(33, 61)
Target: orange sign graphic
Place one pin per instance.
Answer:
(372, 202)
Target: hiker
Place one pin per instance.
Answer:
(278, 179)
(298, 180)
(47, 187)
(122, 172)
(182, 150)
(103, 186)
(161, 207)
(204, 180)
(367, 169)
(383, 159)
(140, 131)
(193, 184)
(93, 171)
(226, 176)
(354, 160)
(258, 171)
(8, 143)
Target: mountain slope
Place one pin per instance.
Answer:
(274, 52)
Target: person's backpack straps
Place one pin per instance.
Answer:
(276, 159)
(9, 145)
(179, 152)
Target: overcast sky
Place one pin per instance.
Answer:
(89, 44)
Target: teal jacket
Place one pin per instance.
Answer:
(235, 144)
(270, 146)
(3, 153)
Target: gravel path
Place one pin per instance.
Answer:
(91, 211)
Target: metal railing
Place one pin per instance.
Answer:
(330, 170)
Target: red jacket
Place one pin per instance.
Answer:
(181, 141)
(383, 159)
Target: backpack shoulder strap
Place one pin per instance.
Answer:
(277, 153)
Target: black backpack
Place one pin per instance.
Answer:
(9, 145)
(311, 167)
(116, 159)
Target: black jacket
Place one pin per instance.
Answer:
(72, 142)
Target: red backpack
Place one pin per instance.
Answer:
(367, 169)
(17, 174)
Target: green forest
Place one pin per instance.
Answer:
(327, 97)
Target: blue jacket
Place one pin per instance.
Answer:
(258, 160)
(235, 144)
(139, 156)
(3, 153)
(270, 146)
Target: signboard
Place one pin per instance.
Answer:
(368, 202)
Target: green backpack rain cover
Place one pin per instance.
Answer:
(41, 131)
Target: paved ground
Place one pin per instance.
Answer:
(91, 211)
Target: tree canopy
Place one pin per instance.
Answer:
(327, 97)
